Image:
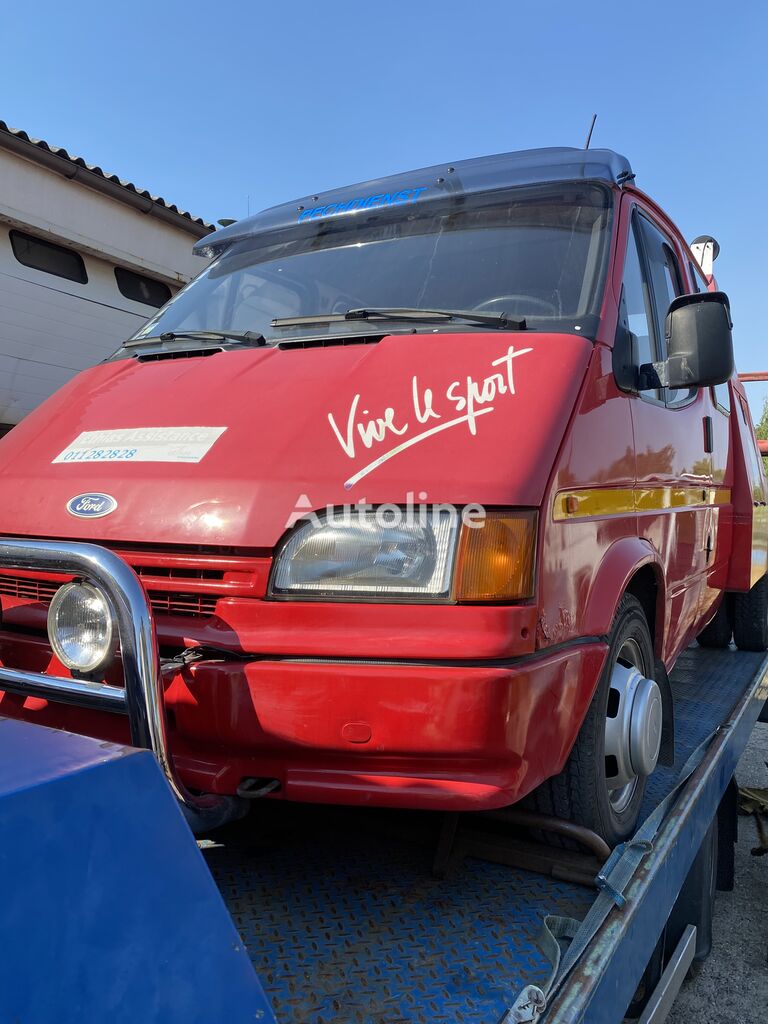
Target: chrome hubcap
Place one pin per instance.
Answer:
(632, 726)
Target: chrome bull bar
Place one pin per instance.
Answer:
(142, 696)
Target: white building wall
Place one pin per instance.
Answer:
(68, 211)
(51, 327)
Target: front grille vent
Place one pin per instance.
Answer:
(186, 585)
(40, 591)
(27, 589)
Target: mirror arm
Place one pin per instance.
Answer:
(654, 375)
(625, 369)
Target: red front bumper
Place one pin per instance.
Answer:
(395, 735)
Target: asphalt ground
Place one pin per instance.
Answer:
(731, 986)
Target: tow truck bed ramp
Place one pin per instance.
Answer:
(345, 923)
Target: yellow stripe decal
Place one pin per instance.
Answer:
(617, 501)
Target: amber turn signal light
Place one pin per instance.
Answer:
(496, 559)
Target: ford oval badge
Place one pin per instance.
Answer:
(91, 506)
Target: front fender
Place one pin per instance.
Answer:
(610, 582)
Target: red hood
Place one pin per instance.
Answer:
(280, 453)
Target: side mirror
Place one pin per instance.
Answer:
(699, 341)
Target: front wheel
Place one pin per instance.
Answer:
(603, 782)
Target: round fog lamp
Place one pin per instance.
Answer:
(80, 627)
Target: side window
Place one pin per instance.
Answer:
(699, 284)
(666, 285)
(636, 313)
(722, 398)
(751, 452)
(40, 254)
(139, 288)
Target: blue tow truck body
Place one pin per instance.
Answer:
(108, 911)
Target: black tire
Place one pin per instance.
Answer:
(580, 793)
(720, 630)
(750, 618)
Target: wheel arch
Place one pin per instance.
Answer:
(631, 566)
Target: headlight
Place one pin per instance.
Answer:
(427, 555)
(355, 556)
(80, 627)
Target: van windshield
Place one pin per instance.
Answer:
(534, 253)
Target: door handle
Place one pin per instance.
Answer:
(709, 443)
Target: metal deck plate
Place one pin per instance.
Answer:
(344, 922)
(348, 927)
(706, 685)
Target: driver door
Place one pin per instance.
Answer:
(673, 470)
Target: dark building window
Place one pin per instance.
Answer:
(142, 289)
(48, 257)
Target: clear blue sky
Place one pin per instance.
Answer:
(208, 104)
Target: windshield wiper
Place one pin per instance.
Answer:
(249, 337)
(405, 315)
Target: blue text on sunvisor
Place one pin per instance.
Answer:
(406, 195)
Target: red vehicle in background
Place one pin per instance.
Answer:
(428, 481)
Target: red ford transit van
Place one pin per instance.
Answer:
(425, 483)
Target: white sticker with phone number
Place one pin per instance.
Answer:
(142, 444)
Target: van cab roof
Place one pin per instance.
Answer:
(480, 174)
